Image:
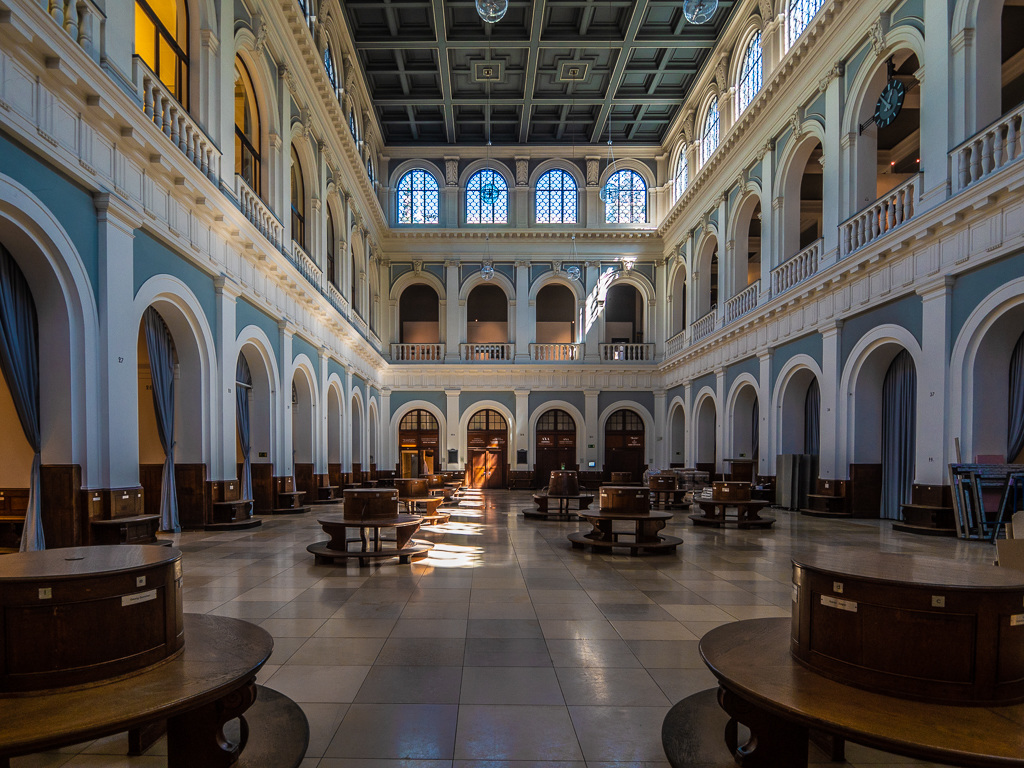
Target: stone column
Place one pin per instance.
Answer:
(320, 456)
(766, 456)
(224, 457)
(386, 445)
(284, 463)
(720, 394)
(831, 370)
(452, 417)
(524, 318)
(831, 151)
(659, 456)
(455, 330)
(522, 427)
(592, 313)
(590, 418)
(346, 438)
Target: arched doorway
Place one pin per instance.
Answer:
(707, 436)
(556, 316)
(624, 444)
(745, 434)
(335, 433)
(799, 408)
(303, 434)
(487, 446)
(677, 427)
(357, 440)
(253, 381)
(487, 322)
(556, 444)
(419, 440)
(418, 315)
(624, 315)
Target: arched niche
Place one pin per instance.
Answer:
(677, 434)
(706, 423)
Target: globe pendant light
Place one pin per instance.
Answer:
(492, 11)
(694, 11)
(487, 271)
(610, 191)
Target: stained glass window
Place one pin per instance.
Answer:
(709, 133)
(557, 198)
(332, 73)
(799, 16)
(486, 198)
(628, 203)
(750, 72)
(682, 172)
(417, 198)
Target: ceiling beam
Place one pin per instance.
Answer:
(444, 70)
(530, 80)
(615, 79)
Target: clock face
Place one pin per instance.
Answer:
(890, 103)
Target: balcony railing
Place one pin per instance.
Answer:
(307, 267)
(623, 351)
(82, 20)
(256, 211)
(487, 352)
(417, 353)
(800, 267)
(555, 352)
(175, 123)
(704, 326)
(677, 343)
(884, 215)
(989, 150)
(742, 302)
(338, 301)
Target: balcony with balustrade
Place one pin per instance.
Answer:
(417, 353)
(881, 217)
(797, 269)
(988, 151)
(742, 302)
(626, 352)
(556, 352)
(490, 352)
(704, 326)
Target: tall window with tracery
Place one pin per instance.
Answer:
(750, 72)
(161, 41)
(557, 198)
(486, 198)
(799, 16)
(417, 198)
(709, 133)
(628, 203)
(680, 179)
(247, 130)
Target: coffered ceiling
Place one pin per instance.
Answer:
(550, 72)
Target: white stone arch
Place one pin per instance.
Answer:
(712, 93)
(557, 278)
(302, 141)
(676, 428)
(265, 96)
(472, 282)
(702, 285)
(475, 408)
(264, 404)
(647, 293)
(305, 412)
(420, 405)
(573, 170)
(787, 432)
(978, 382)
(679, 283)
(792, 164)
(977, 65)
(704, 428)
(74, 418)
(372, 432)
(737, 264)
(408, 280)
(552, 405)
(631, 164)
(645, 416)
(331, 32)
(504, 172)
(197, 365)
(335, 404)
(751, 26)
(443, 191)
(861, 102)
(739, 428)
(860, 399)
(357, 419)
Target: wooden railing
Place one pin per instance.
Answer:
(175, 122)
(82, 20)
(493, 352)
(623, 351)
(677, 343)
(407, 353)
(742, 302)
(256, 211)
(800, 267)
(555, 352)
(988, 150)
(884, 215)
(704, 326)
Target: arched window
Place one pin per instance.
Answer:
(332, 246)
(247, 130)
(298, 202)
(161, 41)
(369, 168)
(709, 133)
(332, 71)
(304, 6)
(352, 123)
(417, 198)
(557, 198)
(680, 179)
(486, 198)
(750, 72)
(799, 16)
(628, 203)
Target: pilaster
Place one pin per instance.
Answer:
(522, 427)
(765, 454)
(590, 416)
(523, 317)
(828, 418)
(452, 417)
(659, 457)
(223, 459)
(454, 331)
(285, 466)
(932, 447)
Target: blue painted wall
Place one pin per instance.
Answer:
(538, 400)
(438, 399)
(972, 288)
(606, 399)
(467, 399)
(905, 312)
(708, 380)
(247, 314)
(302, 347)
(750, 365)
(810, 345)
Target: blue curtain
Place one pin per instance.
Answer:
(812, 419)
(19, 363)
(755, 434)
(899, 419)
(1015, 439)
(243, 386)
(161, 369)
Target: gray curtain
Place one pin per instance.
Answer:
(899, 411)
(812, 419)
(755, 433)
(19, 363)
(243, 385)
(161, 369)
(1015, 439)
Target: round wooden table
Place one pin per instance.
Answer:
(338, 547)
(643, 537)
(766, 689)
(713, 512)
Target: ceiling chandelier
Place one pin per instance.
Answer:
(492, 11)
(487, 270)
(694, 11)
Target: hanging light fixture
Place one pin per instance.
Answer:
(694, 11)
(487, 270)
(610, 190)
(573, 272)
(488, 190)
(492, 11)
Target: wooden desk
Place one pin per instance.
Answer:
(337, 548)
(543, 500)
(766, 689)
(212, 681)
(714, 513)
(669, 497)
(643, 538)
(430, 504)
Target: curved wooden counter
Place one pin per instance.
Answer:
(643, 538)
(338, 547)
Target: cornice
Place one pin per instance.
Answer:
(520, 234)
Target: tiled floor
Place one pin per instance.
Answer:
(505, 648)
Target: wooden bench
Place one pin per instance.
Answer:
(289, 503)
(136, 529)
(232, 515)
(325, 494)
(828, 500)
